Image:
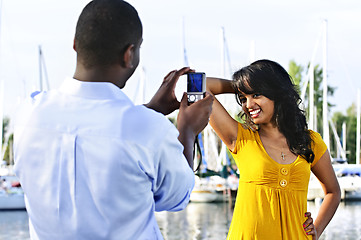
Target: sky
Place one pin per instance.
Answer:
(280, 30)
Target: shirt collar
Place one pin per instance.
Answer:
(93, 90)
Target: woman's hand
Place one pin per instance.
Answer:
(309, 227)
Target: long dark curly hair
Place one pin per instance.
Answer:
(271, 80)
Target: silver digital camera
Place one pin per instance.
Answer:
(196, 86)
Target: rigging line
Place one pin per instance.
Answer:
(226, 51)
(1, 7)
(347, 73)
(185, 57)
(45, 72)
(339, 147)
(225, 54)
(304, 87)
(42, 69)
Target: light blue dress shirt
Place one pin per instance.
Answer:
(95, 166)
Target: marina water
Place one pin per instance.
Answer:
(204, 221)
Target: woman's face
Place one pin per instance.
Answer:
(258, 107)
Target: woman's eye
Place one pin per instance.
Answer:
(255, 95)
(242, 99)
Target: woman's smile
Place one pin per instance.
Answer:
(255, 113)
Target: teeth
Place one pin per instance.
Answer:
(255, 112)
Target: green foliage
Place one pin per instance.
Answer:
(350, 120)
(296, 72)
(6, 123)
(8, 156)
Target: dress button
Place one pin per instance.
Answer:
(283, 183)
(284, 171)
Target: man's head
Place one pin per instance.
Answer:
(106, 29)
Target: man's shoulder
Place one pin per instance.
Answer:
(147, 118)
(142, 121)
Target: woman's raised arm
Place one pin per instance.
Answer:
(225, 126)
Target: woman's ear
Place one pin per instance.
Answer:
(128, 56)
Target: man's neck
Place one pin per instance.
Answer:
(112, 74)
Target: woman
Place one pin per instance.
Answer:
(274, 152)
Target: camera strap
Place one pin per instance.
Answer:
(197, 147)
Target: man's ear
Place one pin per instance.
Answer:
(128, 56)
(74, 47)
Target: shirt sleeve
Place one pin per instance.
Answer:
(175, 179)
(318, 147)
(243, 136)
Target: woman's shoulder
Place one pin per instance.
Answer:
(315, 136)
(318, 146)
(244, 130)
(244, 135)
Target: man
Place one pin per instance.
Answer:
(93, 165)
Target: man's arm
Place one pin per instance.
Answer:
(191, 119)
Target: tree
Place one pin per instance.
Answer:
(350, 120)
(6, 123)
(8, 155)
(296, 72)
(5, 129)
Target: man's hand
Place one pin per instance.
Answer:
(164, 100)
(192, 119)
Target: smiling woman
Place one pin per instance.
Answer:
(274, 152)
(258, 107)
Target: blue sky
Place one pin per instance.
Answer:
(280, 30)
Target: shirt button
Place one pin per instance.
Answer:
(283, 183)
(284, 171)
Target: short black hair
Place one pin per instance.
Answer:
(105, 29)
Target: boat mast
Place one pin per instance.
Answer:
(311, 100)
(1, 96)
(339, 148)
(326, 134)
(344, 138)
(221, 156)
(223, 61)
(185, 57)
(2, 150)
(310, 72)
(252, 52)
(42, 69)
(358, 128)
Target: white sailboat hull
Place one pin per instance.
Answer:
(349, 178)
(12, 201)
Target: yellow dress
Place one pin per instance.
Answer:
(272, 197)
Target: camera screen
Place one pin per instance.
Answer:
(194, 83)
